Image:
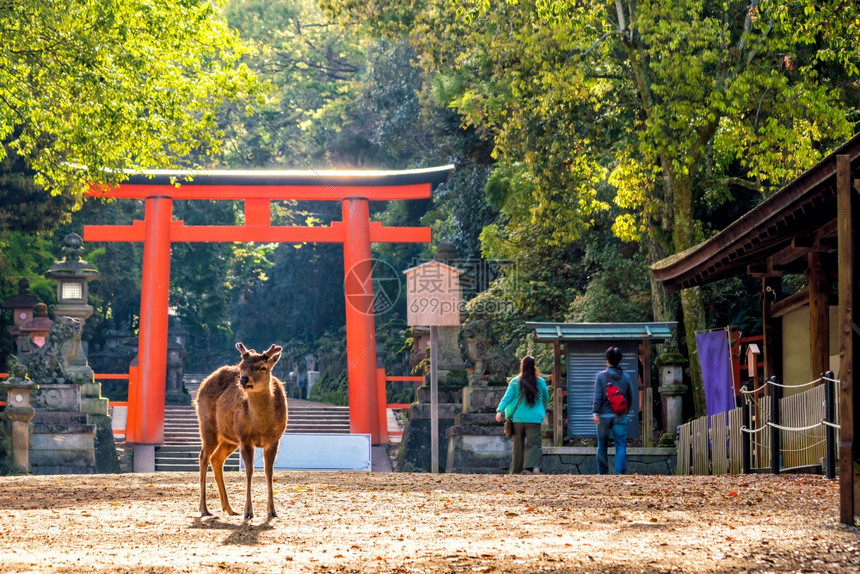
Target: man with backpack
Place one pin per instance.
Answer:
(613, 395)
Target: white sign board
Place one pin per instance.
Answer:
(307, 451)
(118, 417)
(433, 295)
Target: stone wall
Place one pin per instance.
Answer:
(583, 460)
(488, 451)
(478, 446)
(414, 453)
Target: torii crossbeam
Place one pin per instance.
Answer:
(257, 188)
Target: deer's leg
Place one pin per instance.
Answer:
(269, 464)
(204, 465)
(222, 451)
(248, 458)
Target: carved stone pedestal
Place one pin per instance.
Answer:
(672, 391)
(63, 442)
(19, 413)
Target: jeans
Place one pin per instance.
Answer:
(616, 425)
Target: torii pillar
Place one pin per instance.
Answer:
(354, 189)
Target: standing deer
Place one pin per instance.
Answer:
(241, 406)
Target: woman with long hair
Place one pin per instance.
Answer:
(525, 403)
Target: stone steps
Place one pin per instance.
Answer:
(184, 458)
(181, 448)
(476, 442)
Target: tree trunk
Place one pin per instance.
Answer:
(694, 321)
(665, 306)
(684, 237)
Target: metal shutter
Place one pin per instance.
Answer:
(584, 360)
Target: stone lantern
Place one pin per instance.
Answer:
(72, 275)
(116, 353)
(21, 306)
(672, 389)
(19, 413)
(177, 336)
(36, 329)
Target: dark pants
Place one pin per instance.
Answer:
(528, 451)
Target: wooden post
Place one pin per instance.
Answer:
(819, 316)
(434, 399)
(829, 431)
(752, 363)
(848, 214)
(382, 405)
(746, 438)
(433, 298)
(557, 398)
(775, 437)
(771, 291)
(648, 402)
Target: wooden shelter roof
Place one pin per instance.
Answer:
(773, 237)
(548, 332)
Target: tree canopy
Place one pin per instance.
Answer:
(676, 106)
(94, 85)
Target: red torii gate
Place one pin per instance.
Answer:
(257, 188)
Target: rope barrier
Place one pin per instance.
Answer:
(800, 386)
(793, 429)
(809, 384)
(755, 431)
(822, 441)
(745, 391)
(770, 424)
(760, 445)
(809, 435)
(802, 434)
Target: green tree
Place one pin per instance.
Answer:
(312, 66)
(617, 287)
(672, 103)
(24, 206)
(200, 287)
(95, 85)
(341, 98)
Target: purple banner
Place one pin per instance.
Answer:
(716, 360)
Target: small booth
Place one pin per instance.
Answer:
(586, 344)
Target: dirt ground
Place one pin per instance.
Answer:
(399, 522)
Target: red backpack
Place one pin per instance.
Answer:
(616, 398)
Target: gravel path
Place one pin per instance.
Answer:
(399, 522)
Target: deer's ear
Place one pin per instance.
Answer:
(242, 350)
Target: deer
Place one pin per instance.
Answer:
(241, 406)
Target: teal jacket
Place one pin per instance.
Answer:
(524, 412)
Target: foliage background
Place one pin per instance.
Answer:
(578, 130)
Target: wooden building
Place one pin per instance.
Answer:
(808, 227)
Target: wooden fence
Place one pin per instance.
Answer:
(715, 446)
